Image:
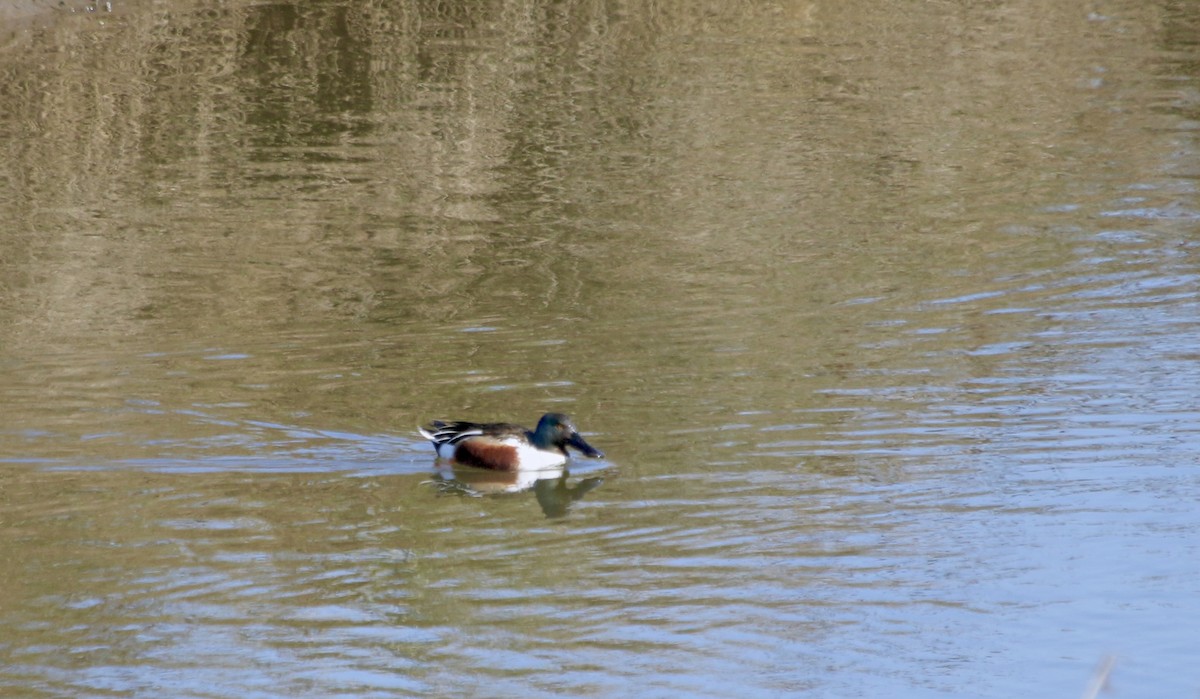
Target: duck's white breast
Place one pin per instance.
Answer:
(531, 458)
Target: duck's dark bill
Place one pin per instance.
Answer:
(585, 448)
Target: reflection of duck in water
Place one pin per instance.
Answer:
(515, 458)
(555, 495)
(501, 446)
(553, 487)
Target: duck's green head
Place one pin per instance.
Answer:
(556, 430)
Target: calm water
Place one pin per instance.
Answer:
(886, 316)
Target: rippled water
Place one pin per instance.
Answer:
(886, 319)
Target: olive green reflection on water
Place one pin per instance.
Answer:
(341, 183)
(852, 295)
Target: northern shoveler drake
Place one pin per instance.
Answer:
(504, 447)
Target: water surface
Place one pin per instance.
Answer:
(886, 319)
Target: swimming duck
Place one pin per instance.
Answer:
(506, 447)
